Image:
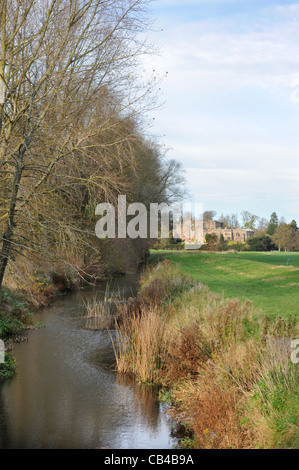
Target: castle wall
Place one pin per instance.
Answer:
(216, 227)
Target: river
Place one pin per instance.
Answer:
(66, 394)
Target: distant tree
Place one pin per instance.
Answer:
(211, 239)
(273, 224)
(209, 215)
(234, 222)
(230, 220)
(286, 236)
(261, 243)
(262, 226)
(294, 236)
(280, 236)
(293, 226)
(249, 220)
(222, 244)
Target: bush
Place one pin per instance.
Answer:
(9, 326)
(169, 244)
(262, 243)
(14, 313)
(7, 369)
(163, 283)
(237, 246)
(14, 317)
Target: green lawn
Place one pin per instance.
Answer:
(263, 278)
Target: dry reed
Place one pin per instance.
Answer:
(229, 374)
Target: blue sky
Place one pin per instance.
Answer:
(231, 100)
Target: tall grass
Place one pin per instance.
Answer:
(102, 312)
(276, 392)
(227, 370)
(141, 344)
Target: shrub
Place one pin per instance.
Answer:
(163, 283)
(8, 368)
(14, 313)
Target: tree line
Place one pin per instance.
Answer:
(271, 234)
(72, 131)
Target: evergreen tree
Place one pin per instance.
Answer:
(273, 224)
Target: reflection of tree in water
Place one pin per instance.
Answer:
(146, 399)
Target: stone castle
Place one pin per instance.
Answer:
(229, 234)
(215, 227)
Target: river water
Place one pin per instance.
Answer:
(66, 394)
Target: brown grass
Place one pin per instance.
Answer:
(213, 412)
(141, 343)
(229, 374)
(102, 313)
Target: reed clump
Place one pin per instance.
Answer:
(99, 315)
(141, 342)
(103, 311)
(227, 370)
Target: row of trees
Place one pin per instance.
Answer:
(71, 128)
(248, 220)
(286, 236)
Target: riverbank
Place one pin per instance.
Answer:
(16, 315)
(226, 371)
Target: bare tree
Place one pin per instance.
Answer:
(249, 220)
(230, 220)
(60, 62)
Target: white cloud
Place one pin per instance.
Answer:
(192, 53)
(232, 108)
(288, 11)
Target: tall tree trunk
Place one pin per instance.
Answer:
(7, 235)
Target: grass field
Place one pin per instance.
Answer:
(264, 278)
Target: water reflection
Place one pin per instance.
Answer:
(67, 395)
